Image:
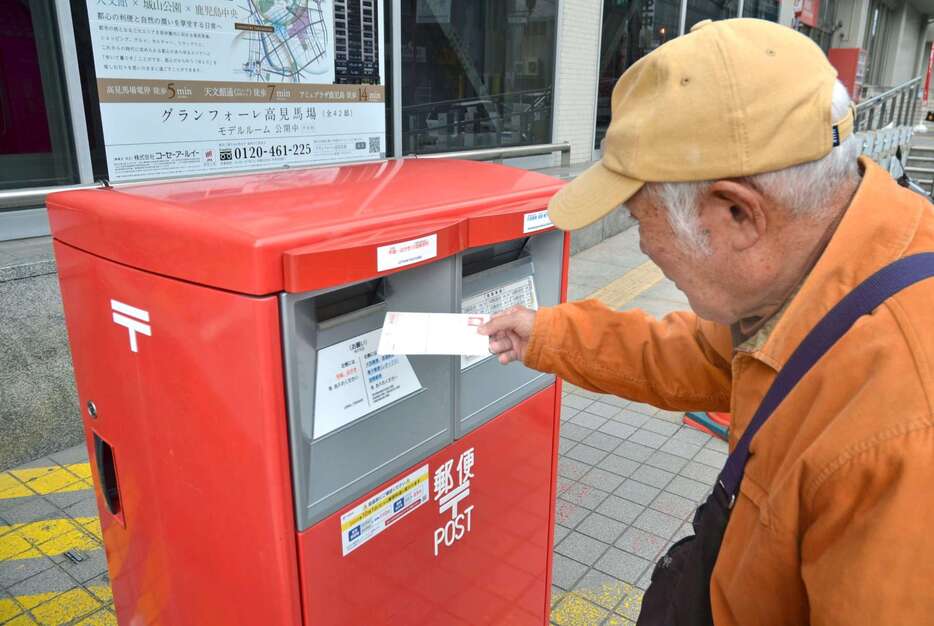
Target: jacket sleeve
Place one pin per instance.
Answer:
(868, 555)
(677, 363)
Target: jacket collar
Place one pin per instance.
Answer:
(878, 226)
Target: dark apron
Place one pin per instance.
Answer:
(679, 594)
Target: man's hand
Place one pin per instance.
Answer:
(509, 333)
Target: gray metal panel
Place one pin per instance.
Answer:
(331, 471)
(487, 388)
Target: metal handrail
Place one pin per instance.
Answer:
(498, 154)
(887, 94)
(32, 197)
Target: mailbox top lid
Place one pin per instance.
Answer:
(302, 229)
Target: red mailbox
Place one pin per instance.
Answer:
(256, 461)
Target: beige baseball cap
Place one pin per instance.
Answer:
(731, 98)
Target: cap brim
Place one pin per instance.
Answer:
(590, 196)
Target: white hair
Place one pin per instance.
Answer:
(807, 189)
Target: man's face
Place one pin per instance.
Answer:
(704, 278)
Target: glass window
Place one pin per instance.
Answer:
(35, 140)
(631, 29)
(699, 10)
(476, 73)
(762, 9)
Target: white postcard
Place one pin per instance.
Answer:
(434, 333)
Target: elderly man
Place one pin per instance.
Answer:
(732, 148)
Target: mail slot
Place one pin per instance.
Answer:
(521, 272)
(256, 461)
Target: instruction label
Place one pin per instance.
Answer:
(496, 300)
(538, 220)
(383, 509)
(352, 381)
(406, 253)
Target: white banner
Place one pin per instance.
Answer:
(205, 86)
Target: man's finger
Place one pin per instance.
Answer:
(497, 324)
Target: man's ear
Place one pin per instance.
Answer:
(733, 213)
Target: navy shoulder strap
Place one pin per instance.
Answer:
(861, 301)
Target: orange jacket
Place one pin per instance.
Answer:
(834, 523)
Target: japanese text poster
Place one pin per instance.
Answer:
(190, 87)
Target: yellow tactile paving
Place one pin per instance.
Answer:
(49, 537)
(44, 480)
(630, 285)
(59, 608)
(582, 607)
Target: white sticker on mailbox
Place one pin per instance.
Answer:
(491, 301)
(538, 220)
(352, 380)
(406, 253)
(383, 509)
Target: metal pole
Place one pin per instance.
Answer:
(684, 16)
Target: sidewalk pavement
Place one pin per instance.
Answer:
(630, 477)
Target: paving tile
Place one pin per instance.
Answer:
(671, 416)
(588, 420)
(84, 508)
(718, 444)
(652, 476)
(581, 548)
(584, 495)
(556, 595)
(617, 620)
(563, 484)
(620, 509)
(658, 523)
(586, 454)
(601, 527)
(637, 492)
(634, 451)
(646, 579)
(602, 479)
(622, 565)
(706, 474)
(614, 400)
(569, 514)
(633, 418)
(692, 435)
(565, 444)
(28, 509)
(686, 530)
(45, 461)
(666, 461)
(674, 505)
(617, 429)
(65, 499)
(576, 402)
(648, 438)
(661, 427)
(641, 543)
(17, 570)
(560, 533)
(601, 589)
(93, 565)
(51, 579)
(575, 432)
(711, 457)
(603, 441)
(575, 610)
(680, 448)
(688, 488)
(567, 414)
(632, 603)
(571, 468)
(619, 465)
(75, 454)
(603, 409)
(566, 572)
(641, 407)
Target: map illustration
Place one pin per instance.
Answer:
(291, 42)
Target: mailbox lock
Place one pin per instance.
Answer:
(92, 409)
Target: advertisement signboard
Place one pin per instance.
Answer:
(189, 87)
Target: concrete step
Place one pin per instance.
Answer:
(912, 158)
(923, 171)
